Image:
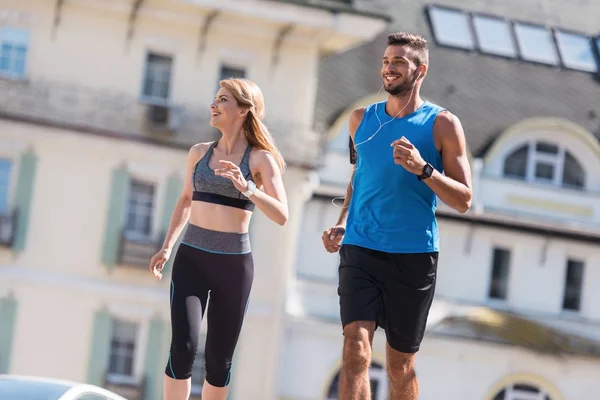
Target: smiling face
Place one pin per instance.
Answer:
(398, 70)
(224, 110)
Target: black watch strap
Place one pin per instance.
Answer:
(427, 171)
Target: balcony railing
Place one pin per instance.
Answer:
(541, 200)
(137, 251)
(116, 114)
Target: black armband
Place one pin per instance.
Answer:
(353, 154)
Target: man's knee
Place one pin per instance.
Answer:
(358, 337)
(400, 366)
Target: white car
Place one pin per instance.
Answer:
(16, 387)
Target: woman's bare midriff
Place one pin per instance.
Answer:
(220, 218)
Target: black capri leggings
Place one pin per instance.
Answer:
(221, 264)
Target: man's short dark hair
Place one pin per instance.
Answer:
(418, 45)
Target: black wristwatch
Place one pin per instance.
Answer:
(427, 171)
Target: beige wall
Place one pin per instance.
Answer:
(86, 72)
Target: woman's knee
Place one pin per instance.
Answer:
(181, 359)
(218, 373)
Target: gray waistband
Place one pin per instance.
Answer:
(215, 241)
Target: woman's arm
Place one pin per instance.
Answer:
(273, 200)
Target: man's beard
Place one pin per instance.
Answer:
(402, 88)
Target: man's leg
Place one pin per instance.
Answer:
(356, 359)
(404, 384)
(360, 306)
(407, 296)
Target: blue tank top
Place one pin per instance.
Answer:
(390, 209)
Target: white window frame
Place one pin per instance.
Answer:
(156, 175)
(152, 214)
(151, 98)
(533, 157)
(117, 377)
(139, 315)
(556, 160)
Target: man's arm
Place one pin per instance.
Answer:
(454, 188)
(332, 237)
(355, 119)
(344, 212)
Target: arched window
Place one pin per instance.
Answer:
(379, 384)
(541, 161)
(522, 391)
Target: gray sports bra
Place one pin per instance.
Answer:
(211, 188)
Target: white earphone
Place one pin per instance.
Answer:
(380, 126)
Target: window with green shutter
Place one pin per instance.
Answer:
(131, 235)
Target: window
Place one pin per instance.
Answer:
(379, 384)
(576, 51)
(198, 369)
(231, 72)
(122, 350)
(157, 78)
(13, 53)
(536, 44)
(140, 210)
(500, 274)
(228, 71)
(546, 163)
(5, 174)
(573, 285)
(494, 36)
(515, 165)
(451, 27)
(522, 391)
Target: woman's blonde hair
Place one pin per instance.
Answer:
(249, 95)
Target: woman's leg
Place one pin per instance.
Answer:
(226, 311)
(189, 293)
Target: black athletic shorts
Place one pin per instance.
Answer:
(394, 290)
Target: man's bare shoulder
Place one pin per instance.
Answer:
(446, 121)
(447, 126)
(356, 117)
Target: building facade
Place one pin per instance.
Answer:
(515, 314)
(99, 103)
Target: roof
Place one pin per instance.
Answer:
(488, 93)
(503, 327)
